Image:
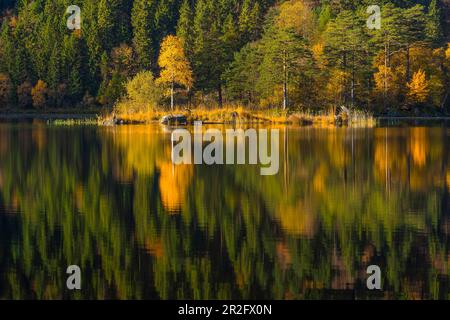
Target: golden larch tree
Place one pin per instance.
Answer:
(39, 94)
(418, 90)
(175, 67)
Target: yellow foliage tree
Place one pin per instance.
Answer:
(336, 86)
(318, 51)
(297, 15)
(143, 91)
(389, 81)
(384, 79)
(175, 67)
(418, 87)
(39, 94)
(447, 53)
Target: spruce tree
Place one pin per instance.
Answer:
(184, 28)
(434, 24)
(143, 26)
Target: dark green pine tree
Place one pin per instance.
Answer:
(104, 73)
(256, 21)
(7, 49)
(250, 21)
(90, 34)
(200, 32)
(185, 29)
(42, 47)
(73, 63)
(413, 21)
(242, 76)
(209, 52)
(434, 24)
(230, 40)
(54, 68)
(21, 66)
(244, 21)
(165, 19)
(105, 24)
(142, 18)
(286, 58)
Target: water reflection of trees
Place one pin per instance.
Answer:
(110, 201)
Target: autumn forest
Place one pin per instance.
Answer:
(257, 54)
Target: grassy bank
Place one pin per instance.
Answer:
(240, 115)
(227, 115)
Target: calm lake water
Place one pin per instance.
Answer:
(110, 201)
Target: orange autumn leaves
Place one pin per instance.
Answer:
(174, 63)
(422, 83)
(418, 87)
(144, 153)
(406, 155)
(173, 185)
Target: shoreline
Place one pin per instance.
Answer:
(249, 117)
(47, 116)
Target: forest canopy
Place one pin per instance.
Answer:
(297, 54)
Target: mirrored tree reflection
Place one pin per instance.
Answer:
(110, 201)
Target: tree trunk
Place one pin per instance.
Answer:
(285, 81)
(171, 96)
(344, 66)
(353, 80)
(408, 65)
(386, 54)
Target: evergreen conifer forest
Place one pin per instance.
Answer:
(307, 55)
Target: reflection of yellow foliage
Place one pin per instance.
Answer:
(39, 134)
(298, 220)
(419, 146)
(173, 184)
(284, 256)
(139, 146)
(448, 178)
(335, 142)
(79, 196)
(142, 151)
(407, 162)
(319, 178)
(154, 248)
(15, 201)
(368, 253)
(389, 156)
